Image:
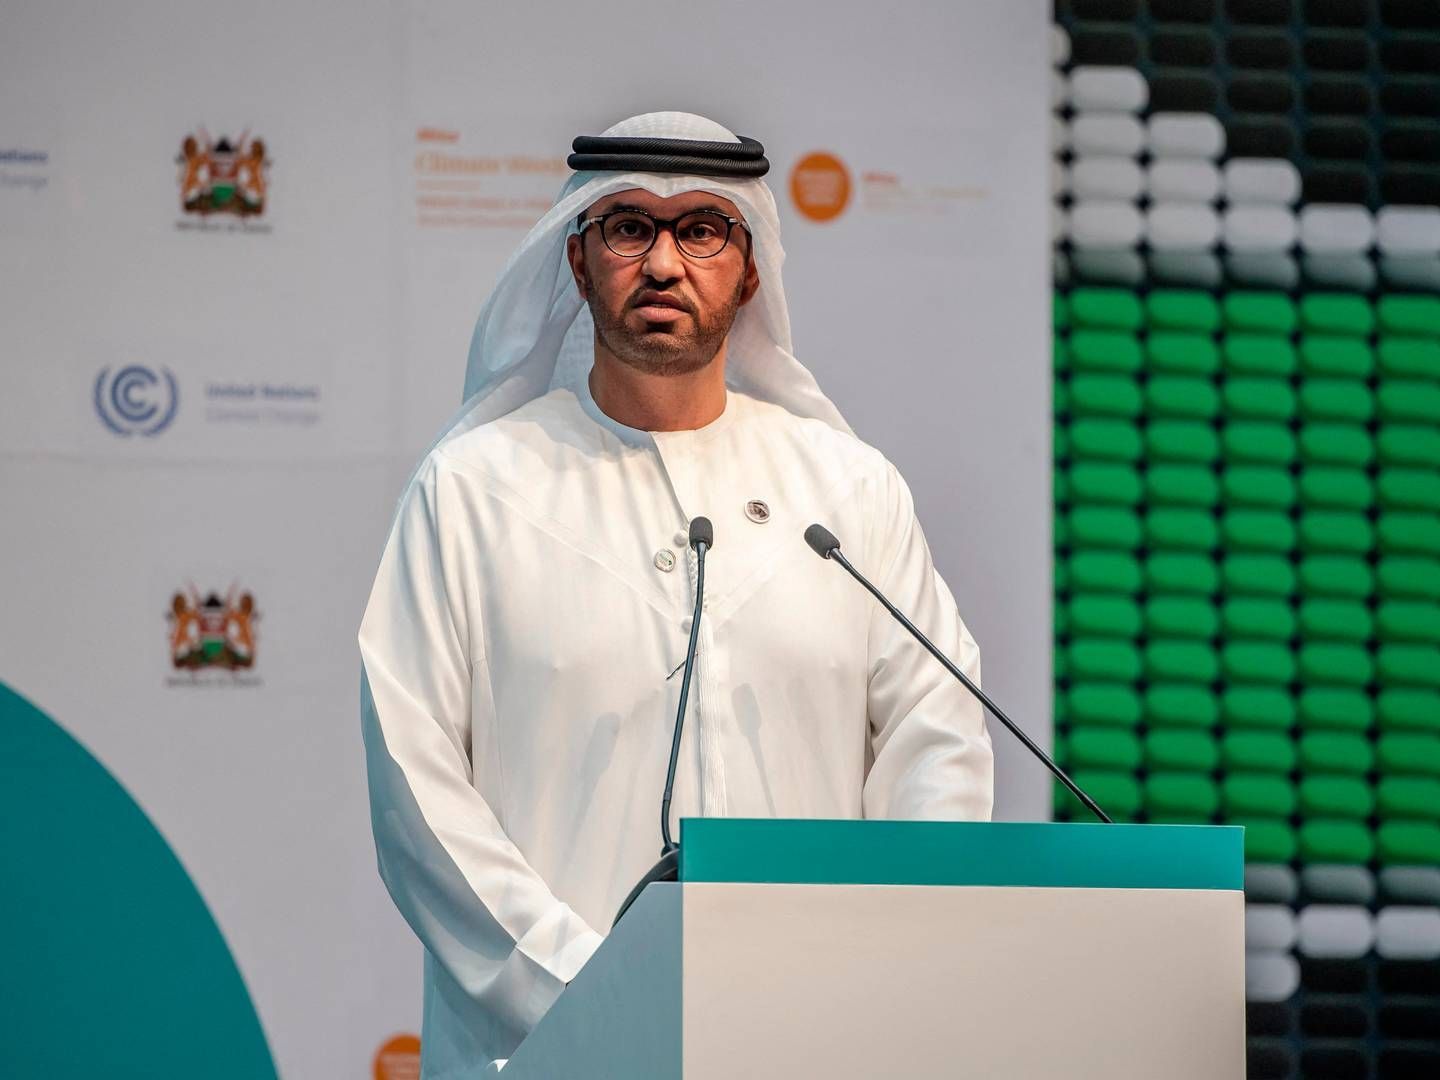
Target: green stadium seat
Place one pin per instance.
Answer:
(1059, 355)
(1061, 619)
(1114, 309)
(1189, 396)
(1258, 751)
(1104, 527)
(1409, 843)
(1104, 395)
(1409, 444)
(1335, 752)
(1111, 440)
(1409, 620)
(1182, 572)
(1060, 658)
(1174, 659)
(1179, 615)
(1267, 840)
(1180, 705)
(1264, 707)
(1257, 485)
(1259, 442)
(1258, 617)
(1104, 704)
(1409, 357)
(1336, 531)
(1258, 354)
(1257, 662)
(1175, 528)
(1409, 400)
(1105, 571)
(1182, 309)
(1184, 485)
(1262, 312)
(1100, 658)
(1336, 575)
(1410, 665)
(1258, 530)
(1337, 313)
(1182, 353)
(1336, 709)
(1407, 754)
(1419, 315)
(1171, 795)
(1060, 397)
(1335, 620)
(1327, 796)
(1404, 708)
(1409, 489)
(1337, 488)
(1345, 401)
(1336, 444)
(1182, 440)
(1103, 748)
(1060, 488)
(1409, 575)
(1346, 665)
(1180, 748)
(1105, 350)
(1344, 357)
(1060, 443)
(1105, 483)
(1059, 310)
(1104, 614)
(1257, 795)
(1409, 532)
(1408, 797)
(1256, 398)
(1327, 841)
(1264, 575)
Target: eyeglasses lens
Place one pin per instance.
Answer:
(699, 235)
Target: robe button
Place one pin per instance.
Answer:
(665, 560)
(757, 511)
(682, 538)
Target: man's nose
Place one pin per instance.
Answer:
(663, 261)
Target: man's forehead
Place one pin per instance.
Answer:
(666, 206)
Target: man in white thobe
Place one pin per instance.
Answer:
(631, 372)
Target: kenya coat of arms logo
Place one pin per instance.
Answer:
(221, 177)
(211, 632)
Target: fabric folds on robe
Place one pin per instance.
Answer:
(518, 698)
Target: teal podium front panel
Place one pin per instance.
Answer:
(1019, 854)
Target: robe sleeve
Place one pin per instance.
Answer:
(931, 751)
(484, 914)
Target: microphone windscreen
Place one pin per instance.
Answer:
(821, 540)
(702, 532)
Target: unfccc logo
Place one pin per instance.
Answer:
(136, 400)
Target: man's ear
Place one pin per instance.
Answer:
(575, 254)
(751, 284)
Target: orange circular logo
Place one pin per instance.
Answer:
(820, 186)
(398, 1059)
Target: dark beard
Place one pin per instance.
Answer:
(666, 353)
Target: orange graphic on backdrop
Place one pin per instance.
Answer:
(398, 1059)
(820, 186)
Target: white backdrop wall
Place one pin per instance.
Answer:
(290, 364)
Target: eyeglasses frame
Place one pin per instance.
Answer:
(663, 223)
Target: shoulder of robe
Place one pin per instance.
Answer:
(542, 433)
(843, 454)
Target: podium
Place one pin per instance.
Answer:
(849, 949)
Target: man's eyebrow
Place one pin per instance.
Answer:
(624, 207)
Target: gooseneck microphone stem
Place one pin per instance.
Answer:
(700, 544)
(702, 538)
(827, 547)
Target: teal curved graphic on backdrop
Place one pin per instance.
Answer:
(112, 964)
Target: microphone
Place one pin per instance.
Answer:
(702, 538)
(822, 541)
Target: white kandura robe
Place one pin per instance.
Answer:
(518, 702)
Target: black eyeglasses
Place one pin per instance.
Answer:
(700, 234)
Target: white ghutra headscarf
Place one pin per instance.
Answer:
(535, 334)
